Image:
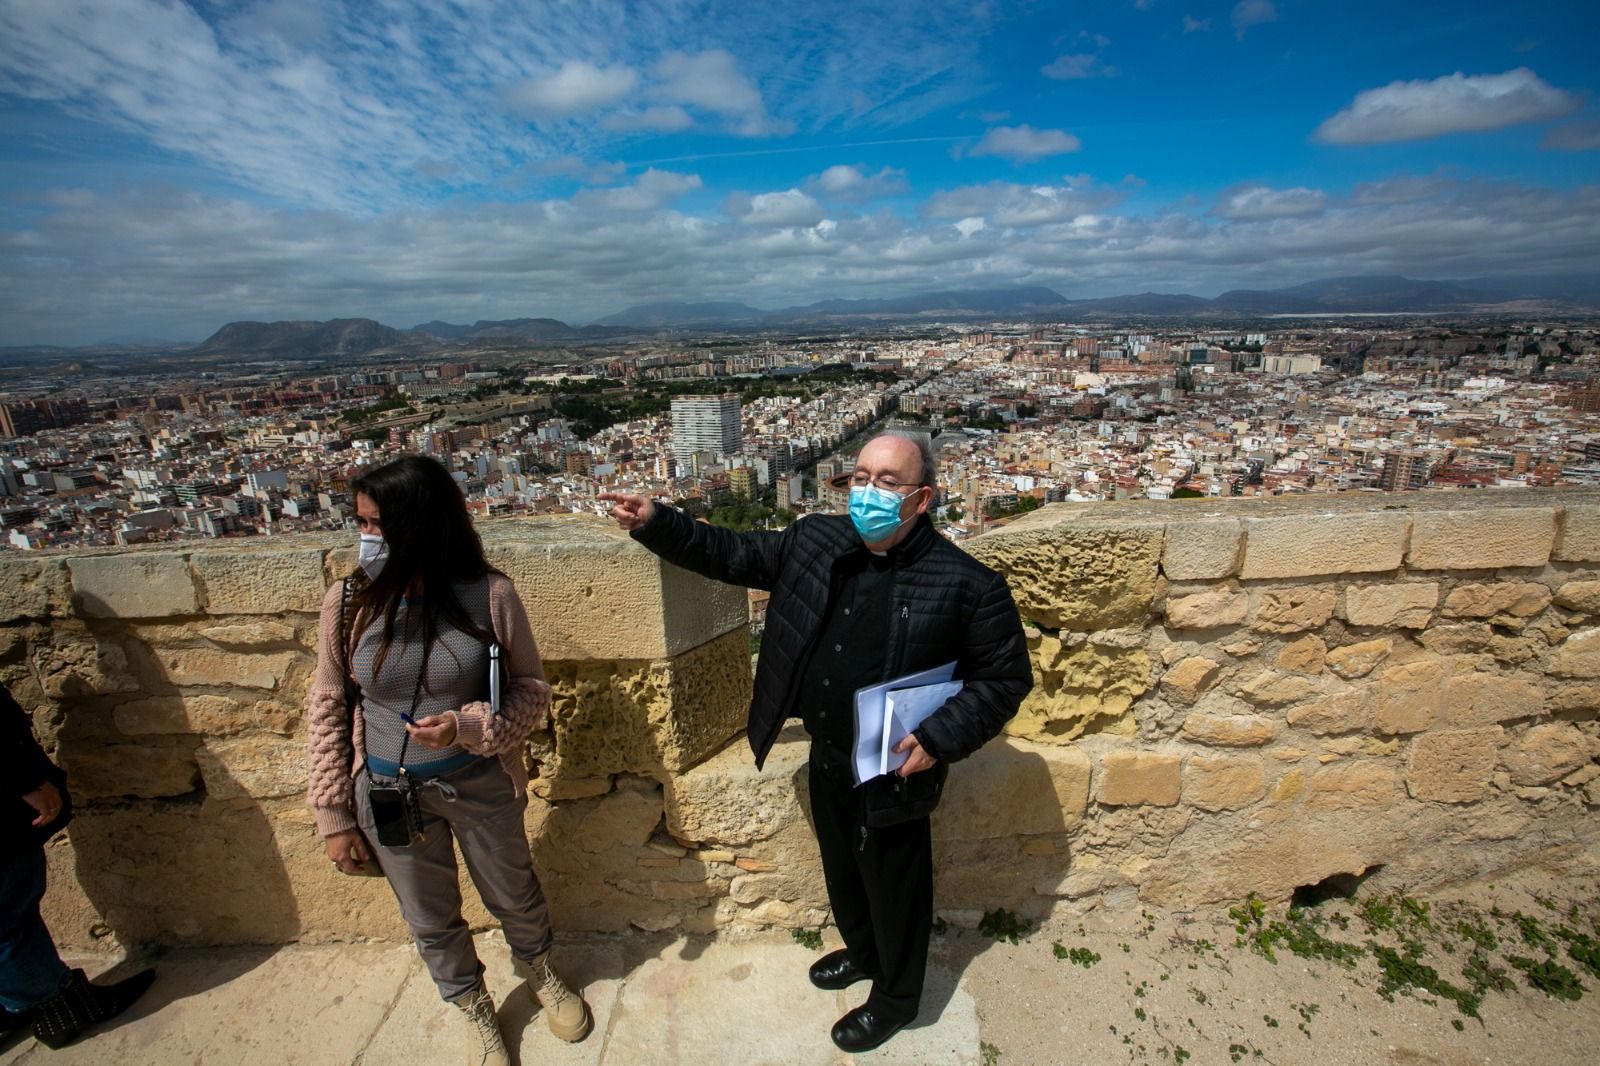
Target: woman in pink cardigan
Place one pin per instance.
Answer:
(422, 748)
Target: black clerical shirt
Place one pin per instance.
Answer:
(850, 649)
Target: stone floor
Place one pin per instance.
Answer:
(1125, 987)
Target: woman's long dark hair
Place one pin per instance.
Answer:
(429, 535)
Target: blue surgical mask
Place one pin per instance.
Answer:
(372, 554)
(875, 512)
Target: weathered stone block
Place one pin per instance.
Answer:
(1269, 689)
(1343, 712)
(250, 634)
(1208, 609)
(1408, 696)
(136, 585)
(1580, 535)
(74, 664)
(725, 800)
(1359, 660)
(1189, 678)
(1481, 538)
(1131, 778)
(1305, 655)
(1363, 785)
(595, 594)
(1223, 782)
(1453, 640)
(1012, 787)
(1548, 753)
(202, 714)
(1581, 595)
(252, 767)
(1453, 766)
(1294, 610)
(630, 717)
(139, 770)
(260, 582)
(1478, 699)
(1502, 603)
(33, 588)
(1079, 688)
(1296, 546)
(1201, 551)
(1576, 698)
(1230, 730)
(1578, 656)
(209, 666)
(1083, 578)
(1404, 606)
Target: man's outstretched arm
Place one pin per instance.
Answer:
(749, 559)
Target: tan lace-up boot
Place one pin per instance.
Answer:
(485, 1046)
(564, 1010)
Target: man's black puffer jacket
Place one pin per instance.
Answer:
(947, 606)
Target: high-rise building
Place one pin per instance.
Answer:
(705, 423)
(1404, 470)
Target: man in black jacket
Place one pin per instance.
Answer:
(855, 602)
(36, 987)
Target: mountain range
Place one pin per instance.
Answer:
(1390, 294)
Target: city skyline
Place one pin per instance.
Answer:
(170, 167)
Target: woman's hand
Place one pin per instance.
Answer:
(434, 730)
(47, 801)
(347, 850)
(631, 512)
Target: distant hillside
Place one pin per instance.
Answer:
(670, 314)
(538, 330)
(1354, 294)
(1146, 303)
(1011, 301)
(306, 340)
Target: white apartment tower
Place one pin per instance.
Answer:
(705, 424)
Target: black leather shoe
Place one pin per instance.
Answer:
(835, 971)
(863, 1030)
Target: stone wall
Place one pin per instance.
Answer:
(1230, 697)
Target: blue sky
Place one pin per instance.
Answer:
(167, 167)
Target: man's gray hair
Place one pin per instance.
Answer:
(924, 443)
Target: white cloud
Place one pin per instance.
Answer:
(661, 119)
(1194, 25)
(1456, 103)
(712, 81)
(571, 166)
(1248, 13)
(1024, 144)
(1576, 137)
(651, 190)
(1010, 205)
(578, 88)
(1259, 203)
(204, 260)
(778, 210)
(852, 184)
(1077, 65)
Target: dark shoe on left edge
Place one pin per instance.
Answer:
(863, 1029)
(835, 971)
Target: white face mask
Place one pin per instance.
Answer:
(372, 553)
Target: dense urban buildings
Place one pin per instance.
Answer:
(747, 431)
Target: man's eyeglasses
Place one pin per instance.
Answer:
(860, 480)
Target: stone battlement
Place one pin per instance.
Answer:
(1231, 697)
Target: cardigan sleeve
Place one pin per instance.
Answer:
(526, 703)
(330, 788)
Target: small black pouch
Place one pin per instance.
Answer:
(890, 799)
(396, 812)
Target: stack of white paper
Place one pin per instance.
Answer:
(887, 713)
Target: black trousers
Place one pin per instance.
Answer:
(880, 886)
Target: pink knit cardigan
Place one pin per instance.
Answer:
(335, 757)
